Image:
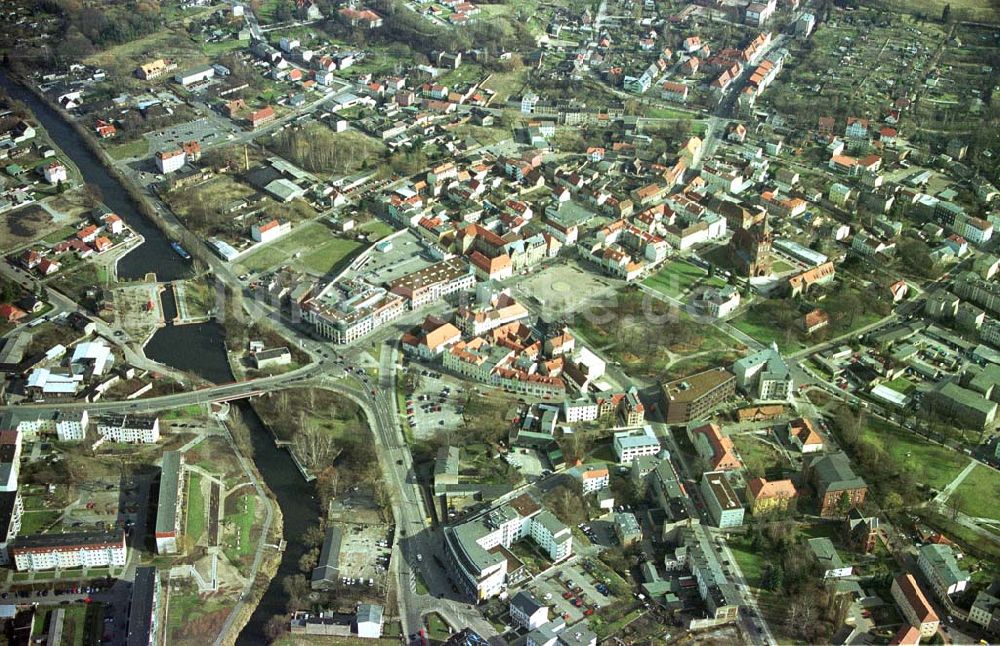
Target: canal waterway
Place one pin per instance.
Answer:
(198, 348)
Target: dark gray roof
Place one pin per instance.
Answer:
(166, 506)
(140, 614)
(329, 557)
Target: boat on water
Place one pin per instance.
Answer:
(181, 251)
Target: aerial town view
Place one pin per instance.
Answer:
(527, 322)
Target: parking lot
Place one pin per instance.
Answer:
(572, 592)
(404, 257)
(200, 130)
(364, 554)
(435, 405)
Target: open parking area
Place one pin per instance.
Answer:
(436, 404)
(201, 130)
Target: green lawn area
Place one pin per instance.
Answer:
(185, 609)
(658, 112)
(136, 148)
(59, 234)
(437, 627)
(780, 267)
(755, 323)
(930, 464)
(75, 625)
(377, 228)
(751, 563)
(219, 47)
(34, 522)
(979, 493)
(195, 522)
(242, 520)
(760, 458)
(320, 250)
(675, 278)
(901, 385)
(329, 254)
(191, 410)
(650, 337)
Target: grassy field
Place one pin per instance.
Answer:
(241, 524)
(760, 458)
(756, 324)
(751, 562)
(33, 522)
(135, 148)
(436, 627)
(901, 385)
(931, 464)
(324, 258)
(376, 228)
(75, 625)
(320, 250)
(195, 521)
(975, 10)
(979, 493)
(677, 277)
(191, 617)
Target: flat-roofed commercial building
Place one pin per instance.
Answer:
(478, 549)
(433, 283)
(345, 312)
(721, 499)
(693, 397)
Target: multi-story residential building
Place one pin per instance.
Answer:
(168, 505)
(985, 611)
(721, 597)
(631, 411)
(721, 500)
(719, 302)
(528, 612)
(594, 479)
(774, 496)
(913, 604)
(346, 312)
(584, 409)
(803, 436)
(475, 321)
(963, 406)
(693, 397)
(169, 161)
(10, 460)
(71, 426)
(11, 511)
(714, 447)
(837, 487)
(129, 429)
(55, 172)
(939, 565)
(64, 551)
(764, 375)
(144, 609)
(433, 283)
(627, 528)
(632, 443)
(985, 294)
(472, 548)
